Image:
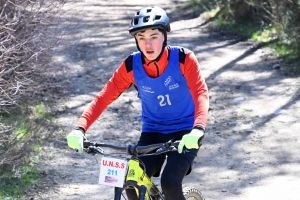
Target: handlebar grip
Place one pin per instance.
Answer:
(86, 144)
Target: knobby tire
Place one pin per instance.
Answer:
(191, 193)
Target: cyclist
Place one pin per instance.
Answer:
(174, 98)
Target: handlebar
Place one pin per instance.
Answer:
(93, 147)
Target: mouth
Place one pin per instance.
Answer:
(149, 52)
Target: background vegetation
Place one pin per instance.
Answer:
(274, 21)
(26, 39)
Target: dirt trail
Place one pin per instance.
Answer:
(251, 149)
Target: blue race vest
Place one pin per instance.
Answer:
(167, 104)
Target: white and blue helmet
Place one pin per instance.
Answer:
(149, 17)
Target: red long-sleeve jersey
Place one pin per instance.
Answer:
(123, 78)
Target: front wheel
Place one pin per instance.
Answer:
(191, 193)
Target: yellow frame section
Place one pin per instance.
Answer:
(136, 173)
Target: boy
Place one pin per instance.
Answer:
(173, 94)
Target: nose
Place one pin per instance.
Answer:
(148, 42)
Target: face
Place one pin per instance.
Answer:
(150, 42)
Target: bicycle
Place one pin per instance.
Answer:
(129, 173)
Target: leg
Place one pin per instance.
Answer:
(178, 165)
(172, 176)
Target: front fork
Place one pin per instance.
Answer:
(142, 193)
(118, 193)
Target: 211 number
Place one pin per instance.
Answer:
(112, 172)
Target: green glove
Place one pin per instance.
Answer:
(191, 140)
(75, 140)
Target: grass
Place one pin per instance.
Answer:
(40, 111)
(27, 123)
(283, 48)
(12, 187)
(37, 112)
(201, 5)
(21, 130)
(23, 119)
(211, 13)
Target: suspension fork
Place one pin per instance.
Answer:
(142, 191)
(118, 193)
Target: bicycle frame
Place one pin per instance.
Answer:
(136, 177)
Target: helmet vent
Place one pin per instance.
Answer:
(136, 21)
(149, 10)
(137, 13)
(146, 19)
(157, 17)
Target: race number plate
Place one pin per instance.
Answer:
(112, 171)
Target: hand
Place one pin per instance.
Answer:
(191, 140)
(75, 140)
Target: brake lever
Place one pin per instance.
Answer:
(94, 150)
(165, 149)
(173, 148)
(160, 150)
(86, 144)
(91, 152)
